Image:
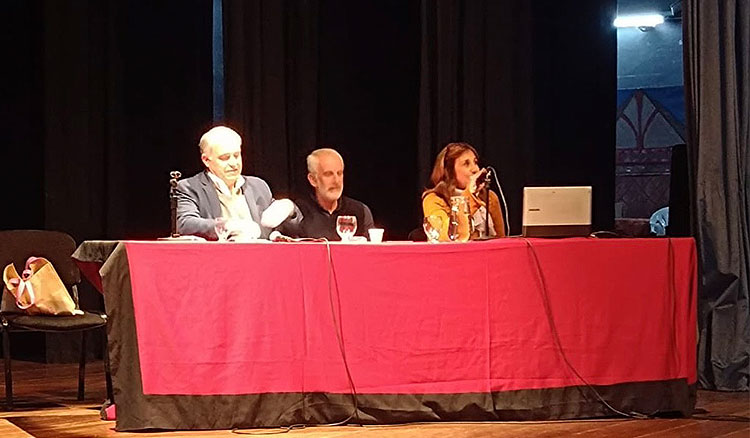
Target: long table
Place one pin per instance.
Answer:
(217, 336)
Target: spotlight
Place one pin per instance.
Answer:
(642, 21)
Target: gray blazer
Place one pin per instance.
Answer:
(198, 205)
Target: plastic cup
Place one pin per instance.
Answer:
(376, 235)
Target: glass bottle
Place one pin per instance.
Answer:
(458, 214)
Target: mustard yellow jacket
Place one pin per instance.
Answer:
(432, 204)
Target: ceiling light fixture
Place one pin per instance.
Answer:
(640, 21)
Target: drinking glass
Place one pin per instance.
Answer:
(432, 225)
(346, 226)
(459, 213)
(222, 232)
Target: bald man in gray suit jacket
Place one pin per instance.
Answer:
(222, 192)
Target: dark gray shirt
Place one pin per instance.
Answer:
(318, 222)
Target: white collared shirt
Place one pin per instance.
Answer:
(233, 202)
(222, 187)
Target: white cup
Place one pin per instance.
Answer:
(376, 235)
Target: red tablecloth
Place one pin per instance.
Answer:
(239, 319)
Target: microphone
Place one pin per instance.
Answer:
(485, 174)
(483, 180)
(504, 212)
(174, 176)
(174, 235)
(276, 236)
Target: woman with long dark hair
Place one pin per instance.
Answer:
(455, 173)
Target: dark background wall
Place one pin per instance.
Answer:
(650, 59)
(651, 110)
(653, 58)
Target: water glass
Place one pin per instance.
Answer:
(459, 213)
(222, 231)
(432, 225)
(346, 226)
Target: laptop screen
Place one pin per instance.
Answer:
(557, 211)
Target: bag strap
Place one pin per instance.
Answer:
(29, 261)
(24, 284)
(19, 286)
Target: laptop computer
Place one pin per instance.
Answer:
(556, 211)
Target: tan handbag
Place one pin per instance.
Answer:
(38, 290)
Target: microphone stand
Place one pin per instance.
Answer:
(487, 182)
(174, 176)
(174, 235)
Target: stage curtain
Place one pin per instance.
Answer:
(717, 70)
(271, 77)
(530, 85)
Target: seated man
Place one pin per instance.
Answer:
(319, 210)
(222, 195)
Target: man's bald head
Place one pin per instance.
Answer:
(219, 135)
(221, 153)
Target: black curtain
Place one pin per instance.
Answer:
(106, 97)
(531, 85)
(306, 74)
(388, 83)
(476, 86)
(271, 79)
(717, 70)
(21, 114)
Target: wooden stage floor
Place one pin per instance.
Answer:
(46, 407)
